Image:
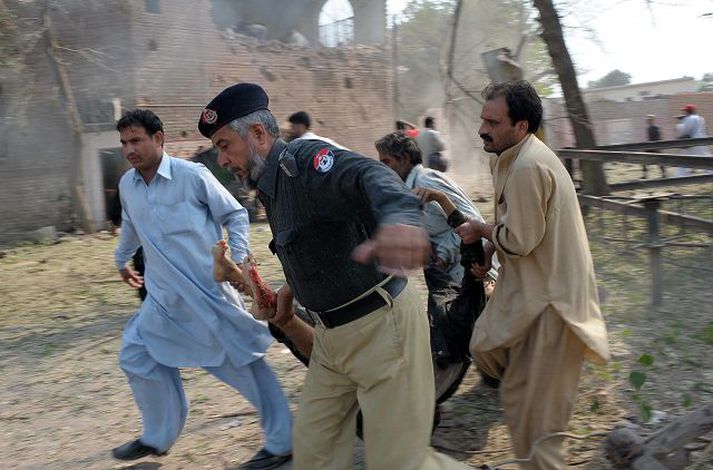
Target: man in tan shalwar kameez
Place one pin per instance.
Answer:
(543, 319)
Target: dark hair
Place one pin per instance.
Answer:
(399, 146)
(523, 102)
(300, 117)
(140, 118)
(428, 122)
(400, 126)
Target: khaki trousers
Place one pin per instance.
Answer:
(539, 377)
(381, 361)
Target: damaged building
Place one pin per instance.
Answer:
(73, 66)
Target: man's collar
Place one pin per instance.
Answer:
(510, 154)
(411, 178)
(266, 183)
(164, 168)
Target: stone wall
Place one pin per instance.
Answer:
(172, 60)
(347, 91)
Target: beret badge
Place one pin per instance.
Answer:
(209, 116)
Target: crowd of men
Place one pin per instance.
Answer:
(348, 231)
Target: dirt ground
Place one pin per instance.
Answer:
(64, 402)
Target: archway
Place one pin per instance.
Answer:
(336, 23)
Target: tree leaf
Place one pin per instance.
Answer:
(595, 406)
(646, 359)
(637, 379)
(687, 400)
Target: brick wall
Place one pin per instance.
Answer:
(346, 91)
(625, 122)
(37, 148)
(174, 62)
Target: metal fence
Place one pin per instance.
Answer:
(649, 206)
(338, 33)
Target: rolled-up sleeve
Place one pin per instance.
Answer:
(523, 224)
(227, 211)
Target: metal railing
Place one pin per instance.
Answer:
(648, 207)
(628, 156)
(337, 33)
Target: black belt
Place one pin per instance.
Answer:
(359, 308)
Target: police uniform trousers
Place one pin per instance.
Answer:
(158, 393)
(380, 362)
(539, 376)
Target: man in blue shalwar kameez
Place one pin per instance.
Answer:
(176, 210)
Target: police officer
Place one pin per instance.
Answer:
(345, 230)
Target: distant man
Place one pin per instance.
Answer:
(543, 319)
(653, 133)
(431, 144)
(693, 126)
(300, 124)
(177, 210)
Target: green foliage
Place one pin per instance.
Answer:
(646, 360)
(49, 349)
(423, 43)
(613, 78)
(705, 335)
(645, 410)
(637, 379)
(671, 336)
(595, 407)
(686, 400)
(706, 82)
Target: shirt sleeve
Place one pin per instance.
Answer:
(128, 240)
(226, 211)
(447, 244)
(358, 184)
(523, 225)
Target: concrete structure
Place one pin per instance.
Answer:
(625, 122)
(640, 91)
(90, 59)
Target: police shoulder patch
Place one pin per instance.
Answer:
(323, 160)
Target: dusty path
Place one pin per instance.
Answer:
(64, 403)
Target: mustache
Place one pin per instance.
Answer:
(486, 137)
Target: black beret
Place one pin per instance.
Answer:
(234, 102)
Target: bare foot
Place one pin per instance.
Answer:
(224, 269)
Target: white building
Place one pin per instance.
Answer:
(640, 91)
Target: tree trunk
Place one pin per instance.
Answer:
(595, 181)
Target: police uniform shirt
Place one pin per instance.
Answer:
(322, 202)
